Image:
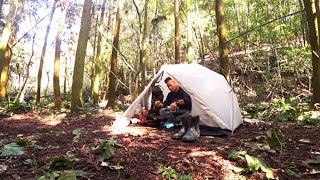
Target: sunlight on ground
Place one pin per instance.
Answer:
(227, 166)
(134, 131)
(53, 120)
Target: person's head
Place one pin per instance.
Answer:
(171, 84)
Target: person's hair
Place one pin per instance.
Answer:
(167, 79)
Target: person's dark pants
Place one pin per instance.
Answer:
(174, 116)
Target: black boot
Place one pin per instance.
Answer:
(186, 122)
(193, 132)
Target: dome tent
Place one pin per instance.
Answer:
(213, 100)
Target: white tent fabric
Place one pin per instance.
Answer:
(213, 100)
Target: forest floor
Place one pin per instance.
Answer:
(149, 153)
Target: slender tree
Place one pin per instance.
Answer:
(97, 74)
(77, 83)
(314, 43)
(142, 44)
(5, 50)
(56, 70)
(223, 47)
(113, 60)
(176, 31)
(1, 4)
(43, 53)
(27, 70)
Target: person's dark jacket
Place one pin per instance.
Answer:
(181, 94)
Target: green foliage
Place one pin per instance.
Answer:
(170, 173)
(312, 161)
(273, 139)
(282, 110)
(254, 164)
(255, 110)
(263, 148)
(27, 142)
(107, 148)
(76, 132)
(58, 162)
(32, 163)
(63, 175)
(293, 62)
(12, 149)
(185, 177)
(292, 171)
(237, 154)
(150, 155)
(287, 111)
(11, 107)
(309, 118)
(59, 168)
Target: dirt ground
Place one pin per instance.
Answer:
(145, 149)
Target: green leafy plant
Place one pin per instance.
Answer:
(287, 110)
(150, 155)
(12, 149)
(312, 161)
(63, 175)
(170, 173)
(60, 161)
(76, 132)
(107, 149)
(263, 147)
(291, 171)
(255, 110)
(32, 163)
(21, 141)
(185, 177)
(254, 164)
(59, 168)
(309, 118)
(273, 139)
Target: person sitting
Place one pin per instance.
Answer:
(177, 108)
(157, 95)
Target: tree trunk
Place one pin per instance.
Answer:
(56, 71)
(176, 31)
(113, 60)
(43, 53)
(144, 47)
(1, 4)
(77, 83)
(189, 49)
(5, 73)
(223, 47)
(96, 82)
(5, 54)
(142, 44)
(104, 87)
(28, 70)
(303, 23)
(94, 54)
(65, 78)
(314, 43)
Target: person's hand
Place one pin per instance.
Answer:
(158, 104)
(173, 106)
